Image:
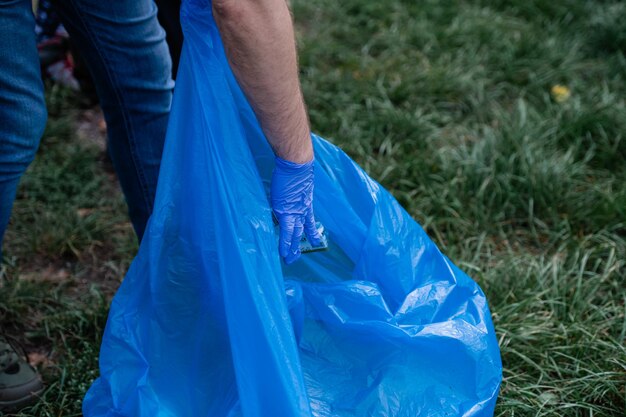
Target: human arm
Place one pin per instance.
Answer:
(259, 42)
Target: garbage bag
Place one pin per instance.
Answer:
(209, 322)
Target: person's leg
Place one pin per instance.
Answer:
(22, 120)
(22, 105)
(125, 50)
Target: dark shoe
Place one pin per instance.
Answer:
(19, 383)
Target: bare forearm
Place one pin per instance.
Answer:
(259, 41)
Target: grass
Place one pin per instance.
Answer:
(447, 103)
(66, 252)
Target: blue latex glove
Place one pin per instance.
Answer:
(291, 195)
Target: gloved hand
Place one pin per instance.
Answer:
(291, 196)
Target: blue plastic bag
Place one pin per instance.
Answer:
(208, 322)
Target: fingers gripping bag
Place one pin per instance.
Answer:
(209, 322)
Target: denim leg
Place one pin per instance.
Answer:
(22, 105)
(125, 50)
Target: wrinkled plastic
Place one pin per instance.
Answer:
(209, 323)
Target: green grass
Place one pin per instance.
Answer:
(447, 103)
(66, 250)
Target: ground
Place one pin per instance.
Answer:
(498, 124)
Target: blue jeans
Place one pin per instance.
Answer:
(125, 50)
